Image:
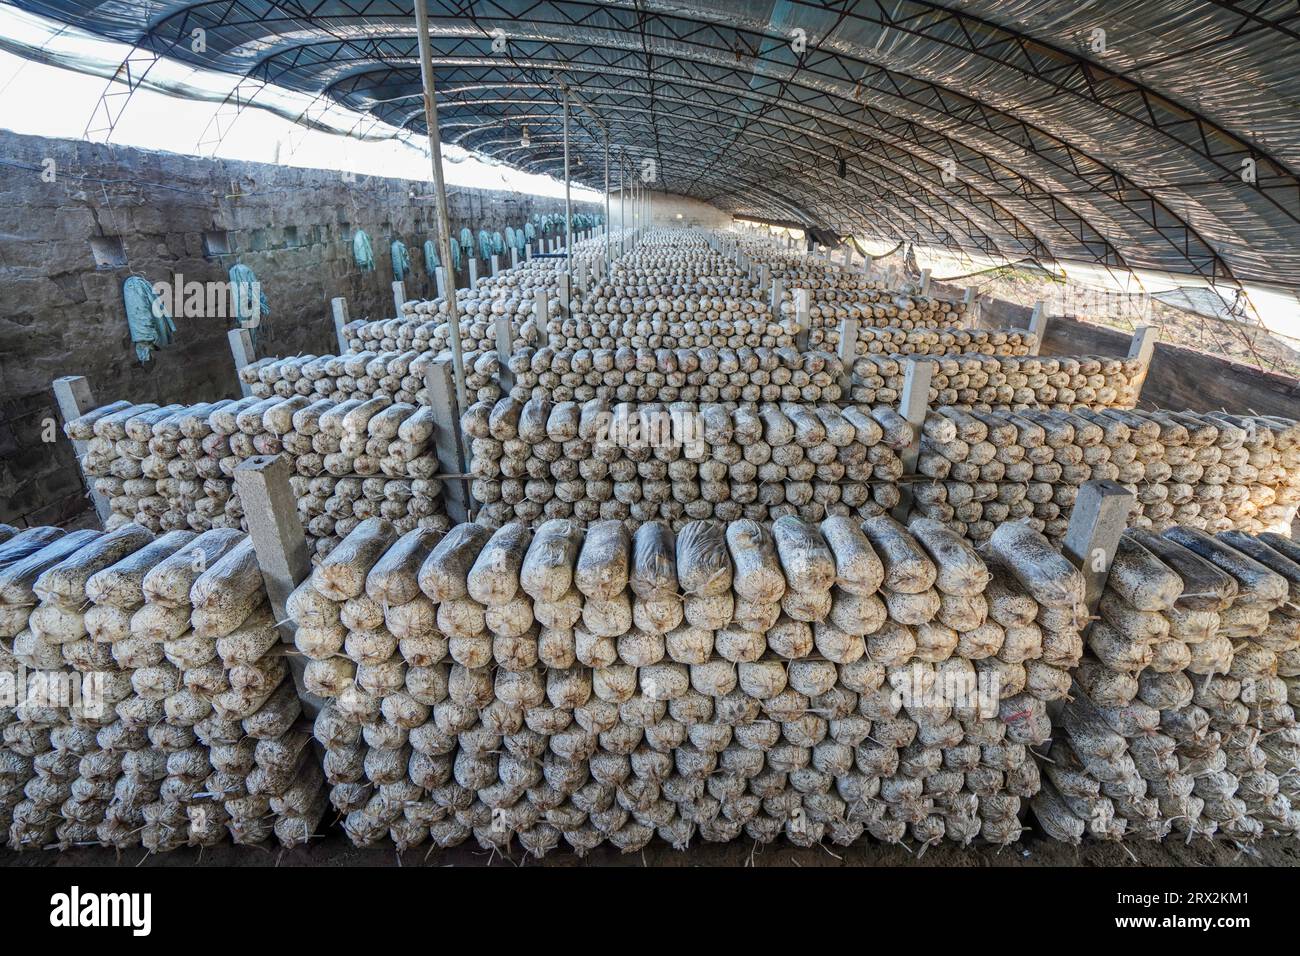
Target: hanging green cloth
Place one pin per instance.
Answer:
(362, 251)
(431, 261)
(498, 243)
(146, 315)
(510, 237)
(455, 253)
(530, 233)
(467, 239)
(401, 261)
(484, 244)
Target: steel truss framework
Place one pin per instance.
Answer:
(722, 102)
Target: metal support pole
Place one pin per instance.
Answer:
(339, 306)
(913, 405)
(1100, 515)
(568, 203)
(608, 253)
(72, 395)
(271, 510)
(241, 347)
(440, 197)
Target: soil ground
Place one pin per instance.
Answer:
(333, 849)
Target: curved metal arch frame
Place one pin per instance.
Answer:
(1206, 130)
(1147, 209)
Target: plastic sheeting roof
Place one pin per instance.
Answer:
(1154, 135)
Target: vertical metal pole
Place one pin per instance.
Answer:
(440, 200)
(607, 253)
(568, 205)
(622, 205)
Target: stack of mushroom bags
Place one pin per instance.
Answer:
(182, 728)
(987, 382)
(398, 376)
(669, 375)
(1182, 715)
(592, 460)
(1214, 471)
(173, 467)
(731, 680)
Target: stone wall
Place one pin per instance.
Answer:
(160, 215)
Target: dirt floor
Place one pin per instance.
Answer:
(334, 850)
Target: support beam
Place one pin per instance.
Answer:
(241, 347)
(1100, 515)
(568, 202)
(271, 510)
(339, 308)
(440, 194)
(72, 395)
(913, 405)
(447, 440)
(609, 255)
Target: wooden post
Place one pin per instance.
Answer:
(1037, 326)
(848, 350)
(1142, 348)
(473, 273)
(802, 317)
(505, 339)
(339, 307)
(1100, 515)
(72, 395)
(271, 510)
(450, 450)
(241, 347)
(399, 297)
(913, 405)
(496, 263)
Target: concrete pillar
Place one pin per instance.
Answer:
(496, 263)
(505, 341)
(72, 395)
(913, 405)
(514, 258)
(473, 273)
(339, 308)
(803, 318)
(1100, 515)
(399, 297)
(440, 279)
(1037, 325)
(1143, 348)
(241, 347)
(448, 443)
(271, 510)
(848, 353)
(925, 282)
